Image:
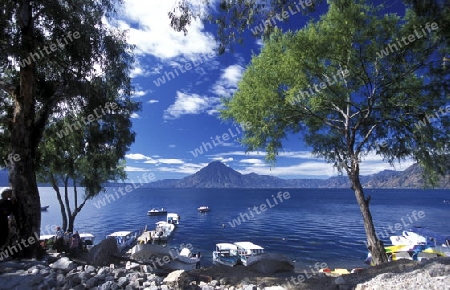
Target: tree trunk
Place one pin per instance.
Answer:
(22, 173)
(61, 203)
(374, 245)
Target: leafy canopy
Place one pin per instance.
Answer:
(380, 101)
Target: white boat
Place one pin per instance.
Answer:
(162, 231)
(254, 257)
(124, 239)
(248, 252)
(408, 238)
(226, 254)
(186, 260)
(87, 240)
(173, 218)
(203, 209)
(164, 257)
(155, 212)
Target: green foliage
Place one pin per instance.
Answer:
(233, 18)
(380, 101)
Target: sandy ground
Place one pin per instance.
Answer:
(237, 275)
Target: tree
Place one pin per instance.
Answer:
(234, 17)
(78, 153)
(342, 84)
(49, 54)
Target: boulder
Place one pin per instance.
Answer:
(271, 263)
(101, 254)
(63, 264)
(177, 280)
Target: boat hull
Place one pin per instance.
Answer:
(230, 261)
(157, 255)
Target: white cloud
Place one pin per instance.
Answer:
(136, 169)
(186, 168)
(139, 93)
(138, 70)
(171, 161)
(192, 104)
(227, 83)
(135, 116)
(172, 146)
(253, 162)
(149, 29)
(137, 156)
(223, 160)
(153, 101)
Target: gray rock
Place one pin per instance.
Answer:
(109, 285)
(122, 282)
(146, 284)
(79, 287)
(92, 282)
(164, 287)
(250, 287)
(44, 272)
(63, 264)
(61, 279)
(214, 283)
(224, 281)
(36, 279)
(119, 273)
(100, 255)
(84, 276)
(339, 281)
(177, 279)
(89, 269)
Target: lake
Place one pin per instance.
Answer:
(309, 226)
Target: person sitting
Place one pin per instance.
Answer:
(75, 242)
(59, 242)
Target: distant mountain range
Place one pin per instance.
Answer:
(219, 175)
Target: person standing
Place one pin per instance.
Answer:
(7, 208)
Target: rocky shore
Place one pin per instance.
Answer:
(64, 273)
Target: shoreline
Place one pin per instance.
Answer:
(62, 272)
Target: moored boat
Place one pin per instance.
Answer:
(87, 240)
(173, 218)
(226, 254)
(163, 231)
(124, 239)
(167, 258)
(203, 209)
(156, 212)
(254, 257)
(248, 252)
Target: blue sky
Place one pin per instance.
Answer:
(181, 115)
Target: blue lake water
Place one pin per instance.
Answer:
(312, 225)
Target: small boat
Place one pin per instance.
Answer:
(203, 209)
(44, 208)
(226, 254)
(254, 257)
(167, 258)
(124, 239)
(163, 231)
(248, 252)
(155, 212)
(87, 240)
(173, 218)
